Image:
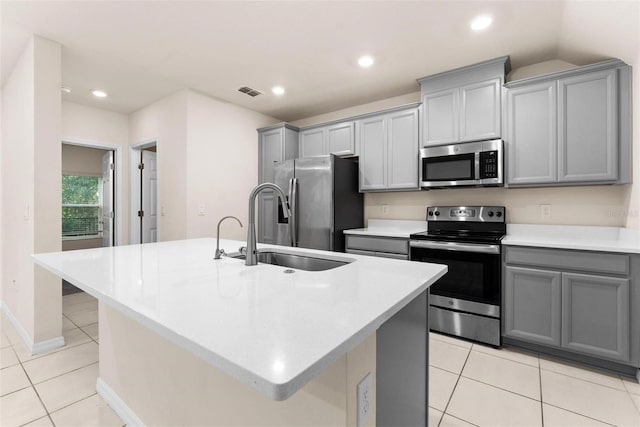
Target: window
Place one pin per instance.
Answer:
(81, 206)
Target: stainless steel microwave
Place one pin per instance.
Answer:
(476, 164)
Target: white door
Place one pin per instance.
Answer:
(149, 192)
(108, 210)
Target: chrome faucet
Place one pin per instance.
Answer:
(252, 252)
(219, 251)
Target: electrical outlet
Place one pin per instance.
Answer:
(201, 209)
(364, 400)
(385, 210)
(545, 211)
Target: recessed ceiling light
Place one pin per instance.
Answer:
(365, 61)
(99, 93)
(277, 90)
(481, 22)
(65, 89)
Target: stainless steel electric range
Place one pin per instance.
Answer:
(466, 301)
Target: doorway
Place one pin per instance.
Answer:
(144, 193)
(88, 185)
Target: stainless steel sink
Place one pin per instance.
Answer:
(299, 262)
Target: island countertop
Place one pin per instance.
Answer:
(271, 330)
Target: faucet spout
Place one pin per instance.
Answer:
(219, 251)
(252, 252)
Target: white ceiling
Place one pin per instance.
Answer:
(141, 51)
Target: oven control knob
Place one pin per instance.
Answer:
(437, 213)
(490, 213)
(498, 214)
(430, 213)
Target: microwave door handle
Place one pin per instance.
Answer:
(476, 166)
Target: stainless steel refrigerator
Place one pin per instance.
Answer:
(324, 199)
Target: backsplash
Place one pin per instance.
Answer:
(603, 205)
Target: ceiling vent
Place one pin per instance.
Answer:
(249, 91)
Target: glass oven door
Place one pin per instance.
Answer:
(474, 270)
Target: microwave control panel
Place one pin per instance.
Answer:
(488, 164)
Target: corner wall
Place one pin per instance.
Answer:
(222, 164)
(31, 157)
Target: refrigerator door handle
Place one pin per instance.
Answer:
(293, 204)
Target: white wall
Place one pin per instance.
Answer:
(633, 220)
(106, 129)
(222, 164)
(165, 122)
(31, 190)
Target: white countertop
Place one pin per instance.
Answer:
(389, 228)
(604, 239)
(270, 330)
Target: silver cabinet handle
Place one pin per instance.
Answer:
(454, 246)
(293, 204)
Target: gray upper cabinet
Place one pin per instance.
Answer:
(531, 125)
(571, 127)
(464, 104)
(389, 150)
(275, 143)
(337, 138)
(587, 120)
(480, 110)
(440, 117)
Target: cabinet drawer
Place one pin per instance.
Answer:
(597, 262)
(378, 244)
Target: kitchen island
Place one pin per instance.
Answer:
(189, 340)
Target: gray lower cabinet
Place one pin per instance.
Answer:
(275, 143)
(570, 300)
(338, 139)
(389, 150)
(384, 247)
(532, 305)
(595, 315)
(571, 127)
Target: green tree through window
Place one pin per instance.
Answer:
(81, 210)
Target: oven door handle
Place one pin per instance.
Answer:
(455, 246)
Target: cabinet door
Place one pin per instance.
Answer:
(588, 131)
(373, 154)
(440, 117)
(403, 149)
(480, 110)
(341, 139)
(271, 150)
(532, 304)
(312, 142)
(595, 315)
(531, 142)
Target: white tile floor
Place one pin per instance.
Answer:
(57, 388)
(469, 384)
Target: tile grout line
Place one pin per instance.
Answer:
(582, 415)
(586, 380)
(541, 398)
(503, 389)
(35, 391)
(454, 387)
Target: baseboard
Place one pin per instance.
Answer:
(34, 348)
(117, 404)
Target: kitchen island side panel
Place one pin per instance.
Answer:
(163, 384)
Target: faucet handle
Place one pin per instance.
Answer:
(243, 250)
(219, 253)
